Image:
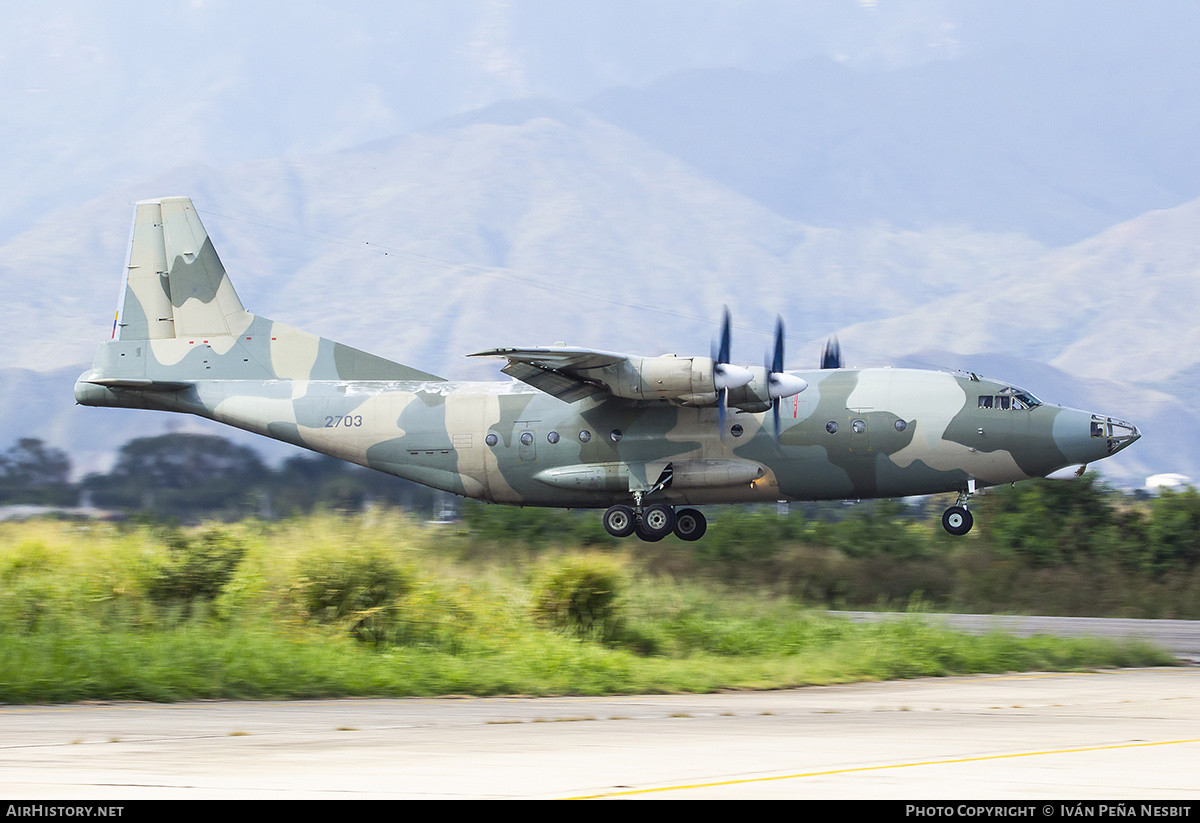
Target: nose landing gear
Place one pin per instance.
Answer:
(956, 519)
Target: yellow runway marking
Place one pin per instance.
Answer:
(879, 768)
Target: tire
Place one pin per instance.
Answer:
(641, 532)
(690, 524)
(619, 521)
(957, 520)
(657, 521)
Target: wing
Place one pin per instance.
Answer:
(566, 373)
(574, 374)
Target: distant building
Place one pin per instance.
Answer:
(1155, 482)
(84, 511)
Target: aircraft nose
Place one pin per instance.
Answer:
(1085, 436)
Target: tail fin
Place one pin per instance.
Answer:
(181, 322)
(175, 285)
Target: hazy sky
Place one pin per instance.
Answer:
(97, 95)
(321, 74)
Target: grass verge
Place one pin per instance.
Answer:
(372, 606)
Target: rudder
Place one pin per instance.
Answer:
(175, 284)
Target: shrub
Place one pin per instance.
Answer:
(197, 566)
(581, 595)
(360, 589)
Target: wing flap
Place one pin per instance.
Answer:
(557, 370)
(556, 384)
(557, 357)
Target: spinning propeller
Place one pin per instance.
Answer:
(831, 356)
(780, 384)
(775, 381)
(725, 375)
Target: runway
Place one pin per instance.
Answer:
(1127, 734)
(1180, 637)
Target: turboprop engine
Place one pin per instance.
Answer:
(707, 381)
(695, 381)
(571, 374)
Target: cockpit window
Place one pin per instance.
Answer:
(1009, 398)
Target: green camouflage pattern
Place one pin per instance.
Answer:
(183, 342)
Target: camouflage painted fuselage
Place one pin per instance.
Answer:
(186, 344)
(436, 433)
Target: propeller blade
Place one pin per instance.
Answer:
(725, 375)
(780, 384)
(721, 412)
(720, 356)
(777, 360)
(723, 352)
(774, 372)
(831, 356)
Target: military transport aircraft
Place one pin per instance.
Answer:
(646, 437)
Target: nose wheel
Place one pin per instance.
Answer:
(956, 519)
(653, 523)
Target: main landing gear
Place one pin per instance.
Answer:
(956, 519)
(654, 522)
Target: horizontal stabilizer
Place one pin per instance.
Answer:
(136, 383)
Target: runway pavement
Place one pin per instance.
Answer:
(1130, 734)
(1180, 637)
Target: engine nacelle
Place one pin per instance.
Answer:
(693, 381)
(679, 379)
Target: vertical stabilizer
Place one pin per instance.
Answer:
(181, 324)
(175, 285)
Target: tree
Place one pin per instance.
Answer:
(181, 475)
(1049, 522)
(1173, 532)
(32, 472)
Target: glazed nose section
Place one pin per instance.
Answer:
(1083, 437)
(1117, 434)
